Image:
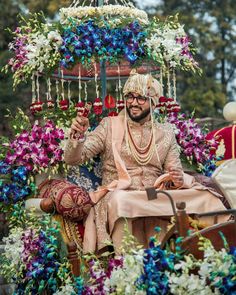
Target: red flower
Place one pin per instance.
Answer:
(120, 104)
(113, 114)
(36, 107)
(80, 107)
(64, 104)
(50, 104)
(163, 99)
(176, 109)
(167, 105)
(97, 106)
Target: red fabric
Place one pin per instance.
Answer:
(227, 134)
(71, 201)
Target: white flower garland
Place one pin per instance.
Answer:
(14, 246)
(124, 278)
(106, 10)
(165, 40)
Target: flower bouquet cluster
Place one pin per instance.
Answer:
(112, 14)
(168, 45)
(14, 185)
(110, 33)
(195, 149)
(34, 258)
(37, 149)
(88, 40)
(157, 271)
(35, 48)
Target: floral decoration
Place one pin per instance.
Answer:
(88, 40)
(37, 149)
(194, 145)
(156, 271)
(112, 14)
(35, 46)
(14, 185)
(32, 258)
(195, 149)
(86, 35)
(169, 45)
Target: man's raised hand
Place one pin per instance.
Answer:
(79, 125)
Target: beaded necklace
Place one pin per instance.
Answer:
(142, 155)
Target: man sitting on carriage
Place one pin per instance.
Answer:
(136, 152)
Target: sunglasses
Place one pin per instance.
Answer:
(140, 99)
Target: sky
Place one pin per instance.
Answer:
(143, 3)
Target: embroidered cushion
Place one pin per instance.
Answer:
(71, 201)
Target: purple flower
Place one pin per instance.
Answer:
(38, 148)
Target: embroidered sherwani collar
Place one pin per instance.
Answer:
(137, 124)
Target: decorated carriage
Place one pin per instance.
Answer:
(82, 60)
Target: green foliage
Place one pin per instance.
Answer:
(8, 19)
(18, 122)
(59, 117)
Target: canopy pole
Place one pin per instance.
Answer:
(103, 76)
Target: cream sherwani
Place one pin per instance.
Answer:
(126, 179)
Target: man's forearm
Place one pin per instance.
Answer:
(73, 152)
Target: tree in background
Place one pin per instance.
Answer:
(8, 19)
(211, 26)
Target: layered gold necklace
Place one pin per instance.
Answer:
(142, 155)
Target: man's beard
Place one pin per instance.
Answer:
(140, 117)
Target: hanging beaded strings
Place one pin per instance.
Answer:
(96, 79)
(80, 87)
(69, 92)
(49, 97)
(168, 83)
(174, 83)
(62, 85)
(33, 89)
(37, 87)
(57, 93)
(119, 84)
(117, 95)
(161, 81)
(85, 92)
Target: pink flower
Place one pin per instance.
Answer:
(39, 148)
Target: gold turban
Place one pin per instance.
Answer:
(144, 85)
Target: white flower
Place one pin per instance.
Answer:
(188, 284)
(123, 278)
(109, 11)
(13, 246)
(55, 36)
(65, 290)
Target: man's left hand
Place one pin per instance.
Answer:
(177, 176)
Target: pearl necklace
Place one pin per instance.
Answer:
(141, 155)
